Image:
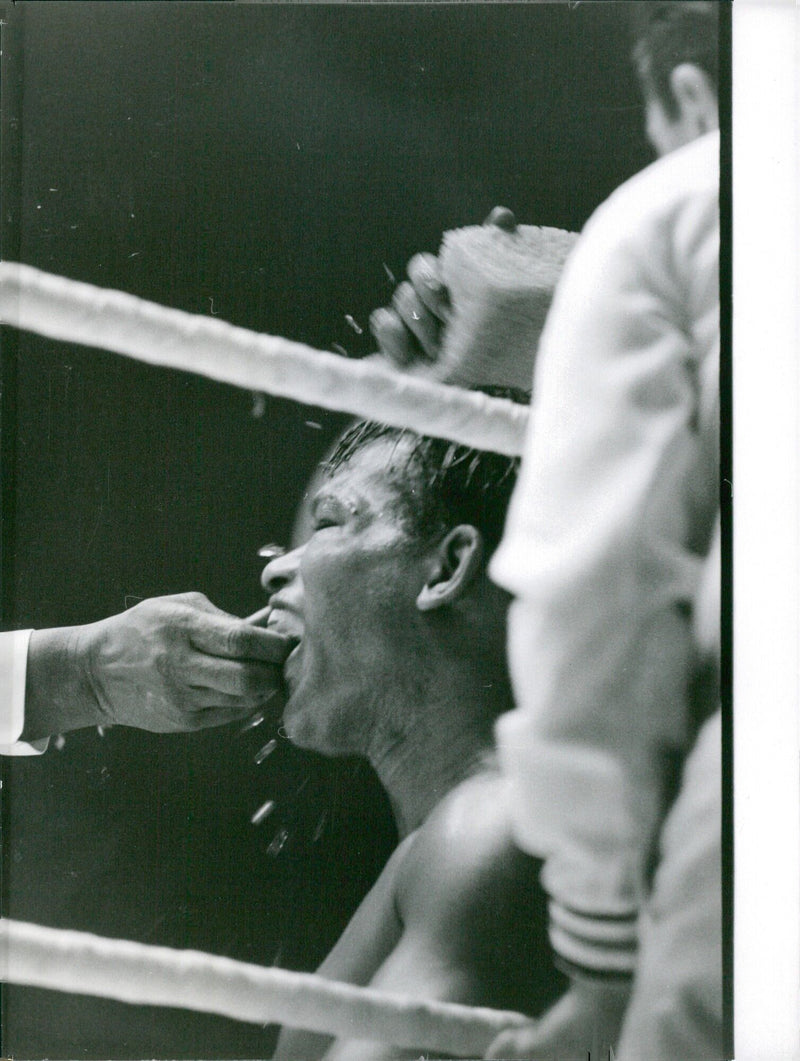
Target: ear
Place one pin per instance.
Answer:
(696, 98)
(456, 564)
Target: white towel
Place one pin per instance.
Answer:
(501, 285)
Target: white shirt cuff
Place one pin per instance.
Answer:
(13, 668)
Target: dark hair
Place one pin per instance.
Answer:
(440, 483)
(667, 33)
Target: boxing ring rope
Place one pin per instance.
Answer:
(71, 311)
(82, 963)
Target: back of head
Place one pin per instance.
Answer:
(668, 33)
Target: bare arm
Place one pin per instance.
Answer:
(473, 918)
(418, 968)
(371, 935)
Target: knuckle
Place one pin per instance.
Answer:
(423, 269)
(235, 640)
(194, 599)
(165, 667)
(240, 685)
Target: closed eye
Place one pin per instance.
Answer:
(328, 512)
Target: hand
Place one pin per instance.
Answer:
(584, 1022)
(410, 333)
(170, 664)
(410, 330)
(179, 663)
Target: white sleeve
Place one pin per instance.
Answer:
(13, 668)
(605, 538)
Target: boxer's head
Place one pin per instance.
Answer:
(676, 53)
(390, 595)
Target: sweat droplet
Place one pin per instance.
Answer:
(252, 722)
(278, 842)
(263, 812)
(266, 751)
(271, 551)
(320, 829)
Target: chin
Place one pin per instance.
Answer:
(299, 725)
(307, 728)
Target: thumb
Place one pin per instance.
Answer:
(502, 218)
(224, 635)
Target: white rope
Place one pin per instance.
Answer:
(133, 972)
(112, 320)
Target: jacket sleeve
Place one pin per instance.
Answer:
(13, 666)
(606, 535)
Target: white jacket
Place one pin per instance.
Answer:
(608, 529)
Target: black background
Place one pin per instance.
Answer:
(264, 163)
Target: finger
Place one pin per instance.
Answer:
(198, 699)
(223, 635)
(394, 340)
(219, 715)
(423, 272)
(503, 218)
(418, 319)
(260, 617)
(520, 1043)
(253, 682)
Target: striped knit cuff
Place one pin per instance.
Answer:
(593, 945)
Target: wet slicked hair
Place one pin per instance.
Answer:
(667, 33)
(442, 484)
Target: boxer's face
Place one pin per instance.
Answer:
(350, 594)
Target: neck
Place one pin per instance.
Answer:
(449, 737)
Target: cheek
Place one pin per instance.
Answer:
(331, 578)
(357, 597)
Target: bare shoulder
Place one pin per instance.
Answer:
(465, 840)
(464, 882)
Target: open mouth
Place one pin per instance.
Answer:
(291, 636)
(285, 624)
(288, 625)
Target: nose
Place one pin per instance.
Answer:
(280, 571)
